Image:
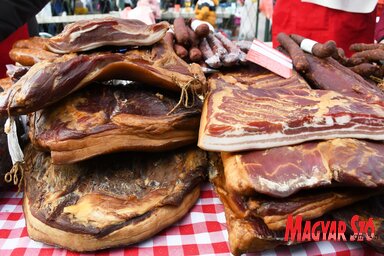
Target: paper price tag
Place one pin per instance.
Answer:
(269, 58)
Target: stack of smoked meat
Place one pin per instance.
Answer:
(294, 151)
(113, 117)
(113, 157)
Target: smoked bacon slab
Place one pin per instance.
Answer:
(257, 223)
(283, 171)
(269, 111)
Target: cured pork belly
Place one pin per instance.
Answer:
(50, 81)
(283, 171)
(310, 204)
(90, 34)
(252, 234)
(110, 201)
(244, 234)
(103, 119)
(270, 111)
(257, 223)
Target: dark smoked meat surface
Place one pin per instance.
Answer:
(50, 81)
(95, 197)
(258, 222)
(129, 118)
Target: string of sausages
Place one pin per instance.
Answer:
(196, 41)
(367, 61)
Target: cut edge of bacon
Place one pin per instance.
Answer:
(248, 142)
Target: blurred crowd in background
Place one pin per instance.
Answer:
(241, 20)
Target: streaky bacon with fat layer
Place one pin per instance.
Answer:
(269, 111)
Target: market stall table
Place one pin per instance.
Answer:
(201, 232)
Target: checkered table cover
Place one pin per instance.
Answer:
(201, 232)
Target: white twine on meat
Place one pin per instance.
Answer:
(15, 152)
(184, 94)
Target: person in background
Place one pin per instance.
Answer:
(205, 10)
(345, 22)
(80, 7)
(104, 6)
(155, 6)
(166, 4)
(146, 11)
(248, 20)
(126, 9)
(266, 8)
(17, 21)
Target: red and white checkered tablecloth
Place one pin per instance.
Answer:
(201, 232)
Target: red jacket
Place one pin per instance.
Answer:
(379, 31)
(6, 46)
(321, 23)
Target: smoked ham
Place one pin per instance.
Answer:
(132, 118)
(269, 111)
(110, 201)
(90, 34)
(283, 171)
(50, 81)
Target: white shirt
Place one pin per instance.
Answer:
(357, 6)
